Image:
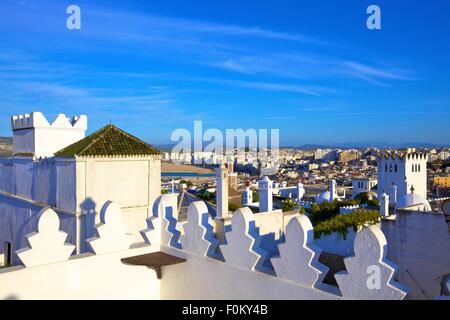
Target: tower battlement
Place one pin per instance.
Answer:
(395, 155)
(33, 134)
(38, 120)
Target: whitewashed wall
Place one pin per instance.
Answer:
(210, 279)
(19, 218)
(7, 183)
(90, 277)
(133, 183)
(78, 187)
(233, 272)
(419, 243)
(271, 229)
(29, 179)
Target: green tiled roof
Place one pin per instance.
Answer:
(108, 141)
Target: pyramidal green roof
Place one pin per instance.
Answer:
(108, 141)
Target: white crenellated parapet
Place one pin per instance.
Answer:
(299, 257)
(439, 199)
(47, 244)
(242, 247)
(112, 231)
(198, 235)
(306, 204)
(162, 226)
(369, 274)
(349, 209)
(38, 120)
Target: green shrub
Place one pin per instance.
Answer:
(187, 182)
(362, 197)
(288, 205)
(233, 206)
(326, 210)
(302, 210)
(373, 203)
(342, 222)
(255, 196)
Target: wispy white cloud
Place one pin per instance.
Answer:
(375, 74)
(233, 66)
(272, 86)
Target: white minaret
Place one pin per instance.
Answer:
(384, 205)
(332, 190)
(222, 191)
(300, 191)
(265, 195)
(247, 196)
(394, 193)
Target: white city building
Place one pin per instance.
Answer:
(362, 184)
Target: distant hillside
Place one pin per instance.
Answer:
(5, 147)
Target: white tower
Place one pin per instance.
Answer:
(403, 170)
(34, 135)
(222, 191)
(247, 196)
(394, 193)
(265, 195)
(384, 205)
(332, 190)
(300, 191)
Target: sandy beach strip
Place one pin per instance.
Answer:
(172, 167)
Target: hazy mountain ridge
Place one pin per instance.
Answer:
(369, 145)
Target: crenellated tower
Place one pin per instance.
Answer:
(397, 172)
(33, 135)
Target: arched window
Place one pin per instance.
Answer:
(385, 168)
(395, 168)
(412, 167)
(390, 168)
(419, 167)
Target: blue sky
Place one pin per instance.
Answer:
(310, 68)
